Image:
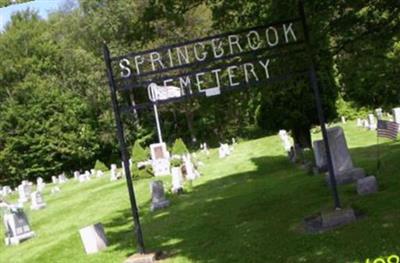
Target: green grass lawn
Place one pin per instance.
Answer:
(245, 208)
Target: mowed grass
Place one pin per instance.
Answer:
(247, 207)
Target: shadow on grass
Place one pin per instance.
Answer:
(248, 217)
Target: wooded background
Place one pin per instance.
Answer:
(55, 110)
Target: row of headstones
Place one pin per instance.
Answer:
(371, 123)
(93, 236)
(86, 176)
(5, 190)
(15, 220)
(343, 167)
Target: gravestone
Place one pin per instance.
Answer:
(99, 173)
(379, 113)
(93, 238)
(224, 150)
(359, 122)
(321, 161)
(371, 122)
(396, 115)
(343, 167)
(177, 180)
(365, 124)
(24, 191)
(76, 175)
(40, 185)
(114, 174)
(37, 201)
(93, 172)
(285, 140)
(6, 190)
(16, 226)
(62, 179)
(158, 200)
(160, 159)
(191, 172)
(367, 185)
(205, 149)
(84, 177)
(54, 179)
(55, 190)
(343, 119)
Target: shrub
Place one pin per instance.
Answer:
(100, 166)
(139, 154)
(349, 110)
(179, 147)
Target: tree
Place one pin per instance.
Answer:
(290, 104)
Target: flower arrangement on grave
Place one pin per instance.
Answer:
(176, 162)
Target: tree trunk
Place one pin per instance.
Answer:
(189, 120)
(302, 137)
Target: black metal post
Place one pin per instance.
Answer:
(124, 154)
(321, 117)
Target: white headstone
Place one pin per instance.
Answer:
(191, 172)
(6, 190)
(205, 149)
(54, 179)
(160, 159)
(62, 179)
(396, 115)
(40, 185)
(379, 113)
(114, 175)
(93, 238)
(177, 179)
(84, 177)
(371, 122)
(24, 191)
(359, 122)
(37, 201)
(343, 119)
(99, 173)
(55, 190)
(285, 140)
(76, 175)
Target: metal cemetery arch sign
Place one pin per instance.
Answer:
(208, 67)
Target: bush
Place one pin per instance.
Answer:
(100, 166)
(139, 154)
(179, 147)
(350, 111)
